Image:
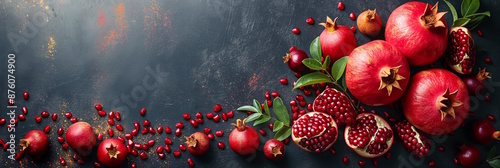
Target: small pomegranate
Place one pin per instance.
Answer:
(197, 143)
(294, 60)
(369, 22)
(81, 138)
(376, 73)
(35, 143)
(414, 141)
(336, 40)
(274, 149)
(461, 53)
(419, 31)
(111, 153)
(243, 140)
(469, 156)
(484, 132)
(371, 137)
(475, 84)
(436, 101)
(337, 104)
(314, 132)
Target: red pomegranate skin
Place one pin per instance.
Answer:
(337, 43)
(362, 72)
(38, 143)
(420, 105)
(81, 138)
(244, 142)
(103, 156)
(420, 46)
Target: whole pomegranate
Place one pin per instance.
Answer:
(469, 156)
(337, 104)
(294, 60)
(111, 153)
(461, 53)
(314, 132)
(376, 73)
(81, 138)
(197, 143)
(370, 137)
(243, 140)
(475, 84)
(419, 31)
(436, 101)
(413, 140)
(484, 132)
(274, 149)
(336, 40)
(35, 143)
(369, 22)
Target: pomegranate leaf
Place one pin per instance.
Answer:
(315, 49)
(253, 117)
(283, 133)
(494, 163)
(326, 63)
(475, 21)
(256, 104)
(277, 125)
(311, 78)
(261, 119)
(344, 86)
(248, 108)
(338, 68)
(453, 10)
(280, 111)
(266, 108)
(461, 22)
(492, 153)
(469, 7)
(312, 64)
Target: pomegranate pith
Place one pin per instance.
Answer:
(371, 137)
(314, 132)
(413, 140)
(337, 105)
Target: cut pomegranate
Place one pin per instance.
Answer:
(337, 104)
(460, 53)
(370, 137)
(314, 132)
(414, 141)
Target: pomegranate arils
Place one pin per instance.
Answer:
(178, 132)
(206, 130)
(262, 132)
(151, 142)
(177, 153)
(230, 114)
(96, 164)
(211, 136)
(216, 118)
(370, 137)
(193, 123)
(168, 130)
(45, 114)
(432, 163)
(345, 160)
(284, 81)
(487, 60)
(353, 28)
(461, 53)
(62, 161)
(144, 131)
(310, 21)
(159, 149)
(60, 131)
(341, 6)
(68, 115)
(121, 139)
(414, 141)
(161, 155)
(270, 126)
(21, 117)
(38, 119)
(118, 116)
(101, 113)
(186, 116)
(361, 163)
(198, 115)
(146, 123)
(168, 141)
(219, 133)
(110, 132)
(111, 114)
(159, 130)
(210, 115)
(54, 117)
(73, 119)
(352, 16)
(143, 111)
(133, 165)
(98, 107)
(224, 116)
(490, 117)
(217, 108)
(221, 145)
(179, 125)
(337, 104)
(99, 136)
(296, 30)
(190, 162)
(119, 127)
(26, 95)
(143, 155)
(314, 132)
(267, 96)
(152, 130)
(111, 122)
(182, 147)
(134, 132)
(441, 148)
(25, 110)
(46, 129)
(145, 147)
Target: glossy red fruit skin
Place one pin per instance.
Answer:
(420, 45)
(81, 138)
(38, 144)
(103, 156)
(244, 140)
(268, 149)
(484, 132)
(197, 143)
(469, 156)
(420, 105)
(26, 95)
(294, 61)
(337, 42)
(363, 73)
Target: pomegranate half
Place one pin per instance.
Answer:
(314, 132)
(436, 101)
(461, 53)
(371, 137)
(336, 40)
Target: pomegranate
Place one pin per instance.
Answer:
(337, 104)
(475, 84)
(419, 31)
(484, 132)
(314, 132)
(376, 73)
(274, 149)
(243, 140)
(469, 156)
(412, 139)
(81, 138)
(35, 143)
(371, 137)
(294, 60)
(436, 101)
(369, 22)
(336, 40)
(197, 143)
(461, 53)
(111, 153)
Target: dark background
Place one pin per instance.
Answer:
(80, 53)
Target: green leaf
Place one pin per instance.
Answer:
(492, 153)
(461, 22)
(262, 119)
(469, 7)
(487, 13)
(452, 9)
(253, 117)
(494, 163)
(326, 63)
(311, 78)
(343, 83)
(283, 133)
(247, 108)
(280, 111)
(256, 104)
(312, 64)
(338, 68)
(266, 108)
(315, 49)
(277, 125)
(475, 21)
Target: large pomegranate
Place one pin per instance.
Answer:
(314, 132)
(461, 53)
(111, 152)
(336, 40)
(436, 101)
(243, 140)
(419, 31)
(81, 138)
(35, 143)
(371, 137)
(337, 104)
(413, 140)
(377, 73)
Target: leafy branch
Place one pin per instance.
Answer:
(468, 9)
(492, 160)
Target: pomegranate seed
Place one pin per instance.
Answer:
(219, 133)
(143, 111)
(11, 102)
(167, 148)
(293, 103)
(54, 117)
(121, 139)
(198, 115)
(479, 33)
(284, 81)
(111, 122)
(210, 115)
(60, 139)
(168, 130)
(230, 114)
(101, 113)
(206, 130)
(375, 162)
(190, 162)
(388, 155)
(267, 96)
(216, 118)
(392, 120)
(152, 130)
(111, 114)
(345, 160)
(110, 132)
(133, 165)
(130, 143)
(145, 147)
(177, 153)
(224, 116)
(352, 16)
(179, 125)
(46, 129)
(299, 98)
(73, 120)
(151, 142)
(441, 148)
(432, 163)
(292, 48)
(333, 151)
(302, 103)
(491, 117)
(487, 98)
(134, 132)
(60, 131)
(68, 115)
(138, 146)
(309, 107)
(249, 113)
(182, 147)
(286, 141)
(361, 163)
(25, 110)
(161, 155)
(26, 95)
(119, 127)
(128, 136)
(186, 116)
(487, 60)
(211, 136)
(193, 123)
(269, 103)
(99, 136)
(221, 145)
(217, 107)
(353, 29)
(143, 155)
(270, 126)
(262, 132)
(21, 117)
(38, 119)
(62, 161)
(455, 161)
(341, 6)
(45, 114)
(296, 30)
(168, 141)
(98, 107)
(96, 164)
(146, 123)
(118, 116)
(310, 21)
(159, 129)
(136, 125)
(159, 149)
(178, 132)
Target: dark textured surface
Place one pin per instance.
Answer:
(208, 52)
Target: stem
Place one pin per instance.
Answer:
(279, 120)
(496, 157)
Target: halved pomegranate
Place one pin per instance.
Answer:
(337, 104)
(314, 132)
(413, 140)
(370, 137)
(461, 53)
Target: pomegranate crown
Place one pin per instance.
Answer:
(371, 14)
(389, 78)
(482, 74)
(275, 150)
(191, 141)
(286, 58)
(431, 17)
(24, 143)
(113, 151)
(447, 103)
(240, 125)
(330, 25)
